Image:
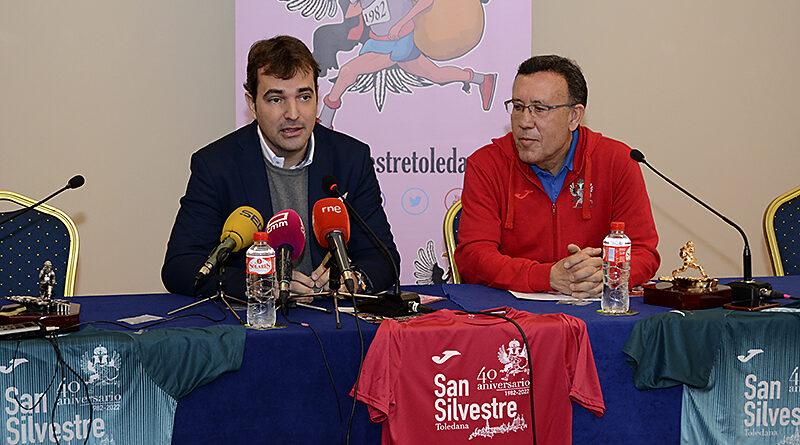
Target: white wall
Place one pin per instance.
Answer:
(121, 92)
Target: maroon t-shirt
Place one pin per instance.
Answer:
(451, 377)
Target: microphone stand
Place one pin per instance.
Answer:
(335, 294)
(334, 283)
(222, 256)
(392, 303)
(74, 182)
(746, 293)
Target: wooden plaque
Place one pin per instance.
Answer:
(57, 320)
(663, 294)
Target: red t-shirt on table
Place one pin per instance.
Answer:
(452, 377)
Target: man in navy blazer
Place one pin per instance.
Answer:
(280, 157)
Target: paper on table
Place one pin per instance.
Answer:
(140, 319)
(546, 296)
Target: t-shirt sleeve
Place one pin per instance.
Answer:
(673, 348)
(182, 359)
(379, 372)
(585, 386)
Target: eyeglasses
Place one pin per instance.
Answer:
(514, 107)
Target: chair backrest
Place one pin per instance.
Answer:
(451, 220)
(782, 231)
(27, 241)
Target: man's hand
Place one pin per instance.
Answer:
(580, 274)
(317, 282)
(302, 284)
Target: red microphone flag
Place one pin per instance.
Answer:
(330, 215)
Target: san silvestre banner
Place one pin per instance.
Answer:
(421, 81)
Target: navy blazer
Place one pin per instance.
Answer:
(231, 172)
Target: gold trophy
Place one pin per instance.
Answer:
(43, 309)
(687, 292)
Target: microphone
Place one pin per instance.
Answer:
(237, 234)
(769, 294)
(397, 302)
(747, 289)
(419, 308)
(332, 229)
(73, 183)
(287, 236)
(330, 186)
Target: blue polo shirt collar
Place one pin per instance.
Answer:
(552, 184)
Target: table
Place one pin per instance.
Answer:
(283, 393)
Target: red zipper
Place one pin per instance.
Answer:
(555, 234)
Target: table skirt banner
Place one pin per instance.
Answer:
(740, 371)
(112, 387)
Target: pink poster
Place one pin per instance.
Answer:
(421, 81)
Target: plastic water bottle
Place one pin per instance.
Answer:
(260, 283)
(616, 270)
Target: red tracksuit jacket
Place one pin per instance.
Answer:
(511, 233)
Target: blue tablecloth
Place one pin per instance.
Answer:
(283, 393)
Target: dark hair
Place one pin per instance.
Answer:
(567, 68)
(280, 56)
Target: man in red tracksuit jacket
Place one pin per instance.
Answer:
(538, 201)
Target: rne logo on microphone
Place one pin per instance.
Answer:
(280, 219)
(335, 209)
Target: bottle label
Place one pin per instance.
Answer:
(616, 254)
(261, 265)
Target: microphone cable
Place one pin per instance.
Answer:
(60, 365)
(328, 368)
(61, 330)
(63, 366)
(530, 364)
(360, 364)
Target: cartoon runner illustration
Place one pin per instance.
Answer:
(400, 39)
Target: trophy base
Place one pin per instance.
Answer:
(750, 306)
(54, 320)
(668, 295)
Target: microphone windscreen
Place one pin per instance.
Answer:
(328, 184)
(286, 228)
(241, 225)
(637, 155)
(330, 215)
(76, 181)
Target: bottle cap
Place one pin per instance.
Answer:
(617, 225)
(260, 236)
